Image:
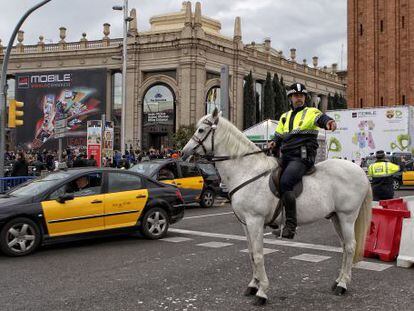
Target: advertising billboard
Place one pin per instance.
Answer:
(58, 104)
(361, 132)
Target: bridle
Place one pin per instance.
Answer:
(210, 155)
(200, 142)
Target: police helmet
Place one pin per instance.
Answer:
(380, 154)
(297, 88)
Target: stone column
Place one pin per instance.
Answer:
(130, 104)
(237, 104)
(62, 35)
(106, 32)
(315, 100)
(83, 41)
(183, 116)
(20, 38)
(199, 85)
(324, 103)
(133, 24)
(293, 54)
(41, 44)
(315, 61)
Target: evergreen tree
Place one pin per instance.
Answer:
(259, 113)
(182, 135)
(286, 104)
(330, 102)
(249, 103)
(342, 102)
(268, 98)
(336, 103)
(278, 98)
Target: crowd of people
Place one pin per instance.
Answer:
(25, 163)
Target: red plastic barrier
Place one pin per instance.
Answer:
(383, 239)
(396, 204)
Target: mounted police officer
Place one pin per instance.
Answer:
(381, 173)
(296, 137)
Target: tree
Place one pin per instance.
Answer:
(249, 103)
(268, 98)
(342, 102)
(279, 99)
(330, 102)
(258, 112)
(336, 103)
(183, 135)
(286, 104)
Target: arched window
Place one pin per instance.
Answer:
(158, 117)
(213, 99)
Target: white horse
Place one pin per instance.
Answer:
(338, 188)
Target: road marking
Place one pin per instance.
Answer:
(208, 215)
(310, 257)
(176, 239)
(266, 241)
(265, 250)
(215, 244)
(367, 265)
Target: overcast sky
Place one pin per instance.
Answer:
(313, 27)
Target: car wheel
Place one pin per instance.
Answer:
(155, 223)
(207, 198)
(19, 237)
(396, 184)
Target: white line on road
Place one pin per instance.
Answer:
(208, 215)
(266, 241)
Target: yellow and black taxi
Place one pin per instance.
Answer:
(199, 183)
(85, 202)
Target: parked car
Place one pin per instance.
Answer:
(406, 176)
(198, 184)
(84, 202)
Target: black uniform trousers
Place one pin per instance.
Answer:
(294, 168)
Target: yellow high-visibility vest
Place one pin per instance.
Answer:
(382, 169)
(304, 122)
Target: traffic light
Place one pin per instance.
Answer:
(15, 113)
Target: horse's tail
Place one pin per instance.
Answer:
(362, 224)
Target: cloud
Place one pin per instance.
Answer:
(314, 28)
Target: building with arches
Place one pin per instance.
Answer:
(173, 71)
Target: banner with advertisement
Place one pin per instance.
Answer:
(361, 132)
(108, 140)
(58, 104)
(94, 140)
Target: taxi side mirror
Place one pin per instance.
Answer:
(65, 197)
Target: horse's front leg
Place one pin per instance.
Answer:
(253, 286)
(255, 235)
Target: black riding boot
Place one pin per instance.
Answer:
(289, 230)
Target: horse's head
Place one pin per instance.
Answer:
(202, 142)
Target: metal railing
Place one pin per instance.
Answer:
(7, 183)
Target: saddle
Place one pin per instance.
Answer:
(274, 180)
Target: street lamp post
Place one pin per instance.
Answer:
(3, 83)
(124, 70)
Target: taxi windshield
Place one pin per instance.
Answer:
(37, 186)
(145, 168)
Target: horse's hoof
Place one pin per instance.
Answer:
(334, 285)
(260, 301)
(339, 291)
(250, 291)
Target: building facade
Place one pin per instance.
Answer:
(380, 53)
(173, 71)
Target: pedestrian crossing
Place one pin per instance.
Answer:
(307, 257)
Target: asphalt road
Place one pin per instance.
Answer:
(202, 265)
